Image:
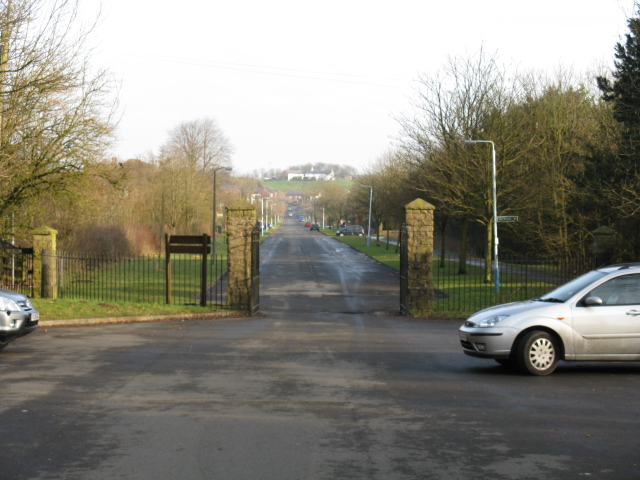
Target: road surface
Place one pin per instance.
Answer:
(327, 383)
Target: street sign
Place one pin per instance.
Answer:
(511, 218)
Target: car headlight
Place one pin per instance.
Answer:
(8, 305)
(491, 321)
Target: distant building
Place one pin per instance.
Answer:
(266, 192)
(293, 195)
(320, 176)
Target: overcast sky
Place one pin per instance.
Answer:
(297, 81)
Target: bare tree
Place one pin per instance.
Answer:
(187, 163)
(468, 100)
(199, 144)
(56, 113)
(392, 190)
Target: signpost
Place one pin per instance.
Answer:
(508, 218)
(191, 244)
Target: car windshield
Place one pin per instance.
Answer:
(568, 290)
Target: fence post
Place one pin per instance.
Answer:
(44, 269)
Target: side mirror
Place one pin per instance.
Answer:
(592, 301)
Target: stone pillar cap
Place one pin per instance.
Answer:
(419, 204)
(44, 231)
(241, 204)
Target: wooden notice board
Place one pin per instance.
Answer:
(190, 244)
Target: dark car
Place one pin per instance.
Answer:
(17, 316)
(314, 226)
(351, 230)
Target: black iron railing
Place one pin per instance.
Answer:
(137, 279)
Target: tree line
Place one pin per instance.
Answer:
(567, 148)
(567, 155)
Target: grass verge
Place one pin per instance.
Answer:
(71, 309)
(458, 295)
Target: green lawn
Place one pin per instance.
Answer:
(133, 287)
(284, 185)
(458, 295)
(71, 309)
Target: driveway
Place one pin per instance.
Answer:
(327, 383)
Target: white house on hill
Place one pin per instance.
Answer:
(320, 176)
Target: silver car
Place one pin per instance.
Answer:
(594, 317)
(18, 317)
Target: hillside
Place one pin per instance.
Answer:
(284, 185)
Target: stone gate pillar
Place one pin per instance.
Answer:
(419, 224)
(604, 245)
(45, 276)
(241, 218)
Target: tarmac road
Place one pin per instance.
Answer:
(327, 383)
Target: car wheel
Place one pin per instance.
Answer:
(538, 353)
(341, 234)
(360, 234)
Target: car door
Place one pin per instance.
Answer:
(611, 330)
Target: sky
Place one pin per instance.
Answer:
(291, 82)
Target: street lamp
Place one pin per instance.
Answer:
(215, 212)
(370, 201)
(264, 224)
(496, 270)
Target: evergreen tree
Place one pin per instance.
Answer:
(623, 92)
(612, 174)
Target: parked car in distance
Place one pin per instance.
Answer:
(18, 317)
(314, 226)
(591, 318)
(350, 230)
(307, 224)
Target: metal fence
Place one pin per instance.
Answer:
(16, 269)
(520, 279)
(137, 279)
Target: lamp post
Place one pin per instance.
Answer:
(263, 222)
(496, 270)
(370, 202)
(215, 212)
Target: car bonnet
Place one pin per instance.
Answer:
(532, 308)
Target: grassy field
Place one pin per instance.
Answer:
(284, 185)
(71, 309)
(458, 295)
(135, 287)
